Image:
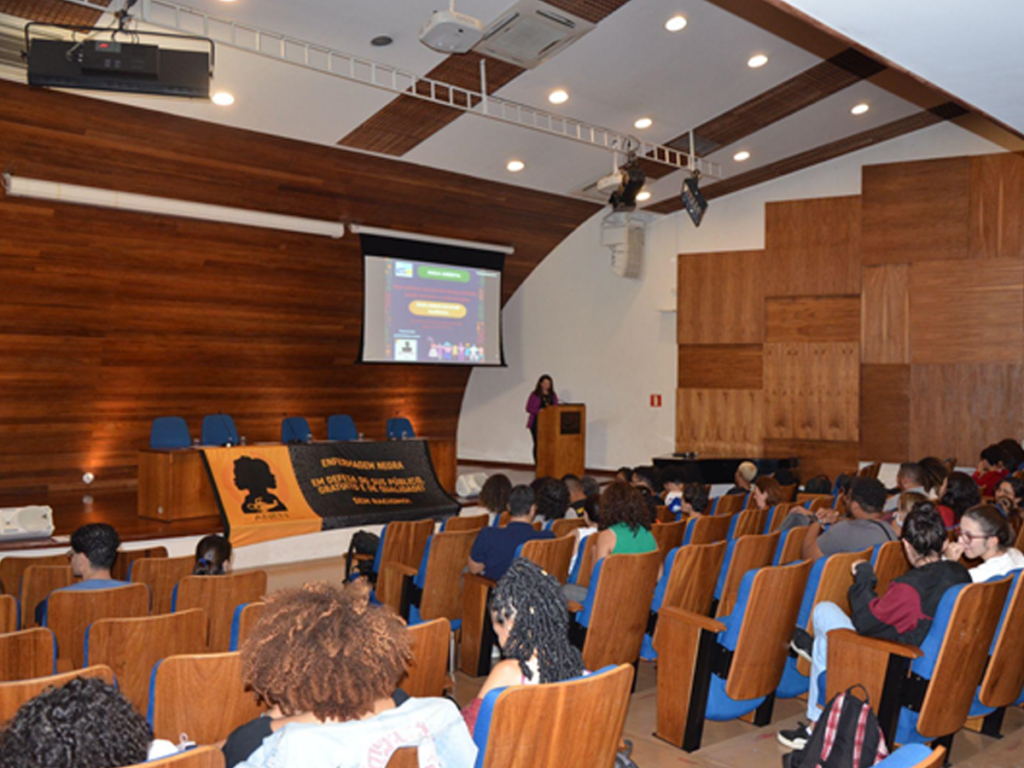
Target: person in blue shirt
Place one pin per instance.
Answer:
(495, 548)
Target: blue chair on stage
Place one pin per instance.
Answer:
(399, 428)
(295, 429)
(219, 429)
(341, 427)
(169, 432)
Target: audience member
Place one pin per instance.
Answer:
(766, 492)
(551, 497)
(93, 553)
(903, 614)
(493, 498)
(743, 478)
(694, 500)
(935, 473)
(531, 623)
(1011, 489)
(495, 548)
(647, 480)
(625, 526)
(909, 477)
(329, 663)
(590, 485)
(673, 480)
(819, 485)
(993, 466)
(624, 474)
(576, 496)
(987, 533)
(907, 501)
(83, 724)
(1014, 452)
(828, 534)
(591, 518)
(958, 493)
(213, 556)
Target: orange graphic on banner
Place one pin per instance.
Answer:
(260, 494)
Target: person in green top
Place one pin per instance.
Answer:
(625, 527)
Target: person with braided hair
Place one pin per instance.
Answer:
(531, 623)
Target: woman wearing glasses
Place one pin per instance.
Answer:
(987, 533)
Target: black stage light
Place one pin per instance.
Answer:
(693, 200)
(631, 181)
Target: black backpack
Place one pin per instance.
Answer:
(847, 736)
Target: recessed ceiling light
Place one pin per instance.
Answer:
(757, 61)
(222, 99)
(558, 97)
(515, 166)
(641, 196)
(643, 122)
(675, 23)
(740, 156)
(860, 109)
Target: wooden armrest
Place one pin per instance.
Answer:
(673, 614)
(403, 570)
(877, 645)
(575, 607)
(477, 579)
(877, 665)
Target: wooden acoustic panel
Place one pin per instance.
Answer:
(812, 318)
(52, 11)
(885, 413)
(113, 318)
(885, 314)
(719, 422)
(916, 211)
(997, 206)
(812, 247)
(812, 391)
(721, 298)
(720, 366)
(967, 311)
(817, 457)
(957, 410)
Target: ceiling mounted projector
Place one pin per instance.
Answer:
(451, 32)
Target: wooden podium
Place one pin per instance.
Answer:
(562, 440)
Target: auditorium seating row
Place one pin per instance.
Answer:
(170, 432)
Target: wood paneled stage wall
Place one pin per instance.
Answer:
(110, 319)
(887, 326)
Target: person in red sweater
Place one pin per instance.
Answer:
(992, 468)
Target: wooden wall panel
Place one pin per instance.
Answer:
(956, 410)
(885, 314)
(967, 311)
(812, 247)
(720, 366)
(812, 318)
(916, 211)
(885, 413)
(719, 422)
(110, 319)
(721, 298)
(997, 206)
(817, 457)
(812, 391)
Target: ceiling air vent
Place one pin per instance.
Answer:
(531, 32)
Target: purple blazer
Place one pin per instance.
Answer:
(535, 405)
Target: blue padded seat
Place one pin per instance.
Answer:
(295, 429)
(169, 432)
(399, 427)
(341, 427)
(219, 429)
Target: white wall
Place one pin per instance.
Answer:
(603, 339)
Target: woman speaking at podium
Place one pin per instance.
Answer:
(542, 396)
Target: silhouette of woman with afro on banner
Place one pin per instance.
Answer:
(254, 476)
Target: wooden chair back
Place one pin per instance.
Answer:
(70, 613)
(567, 525)
(219, 596)
(200, 757)
(1004, 676)
(161, 575)
(404, 543)
(890, 564)
(428, 673)
(836, 580)
(730, 504)
(8, 614)
(622, 605)
(587, 550)
(26, 654)
(708, 529)
(182, 700)
(573, 724)
(131, 647)
(442, 585)
(553, 555)
(779, 512)
(792, 548)
(12, 568)
(763, 643)
(668, 536)
(871, 470)
(691, 583)
(469, 523)
(14, 694)
(663, 515)
(503, 518)
(246, 616)
(749, 552)
(38, 581)
(125, 559)
(788, 492)
(817, 500)
(751, 522)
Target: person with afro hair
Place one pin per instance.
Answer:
(328, 663)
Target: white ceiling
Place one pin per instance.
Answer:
(629, 66)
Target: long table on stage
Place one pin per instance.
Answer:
(174, 484)
(718, 470)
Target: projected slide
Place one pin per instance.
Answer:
(424, 312)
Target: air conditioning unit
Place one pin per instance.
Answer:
(531, 32)
(34, 522)
(626, 238)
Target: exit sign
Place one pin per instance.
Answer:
(655, 401)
